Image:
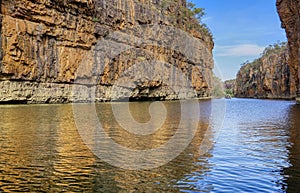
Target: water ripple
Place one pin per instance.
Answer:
(257, 150)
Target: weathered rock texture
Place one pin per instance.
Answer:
(267, 77)
(59, 51)
(289, 12)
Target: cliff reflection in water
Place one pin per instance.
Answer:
(292, 173)
(257, 150)
(253, 152)
(41, 150)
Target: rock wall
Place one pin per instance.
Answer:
(58, 51)
(267, 77)
(290, 17)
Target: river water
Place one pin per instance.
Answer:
(257, 149)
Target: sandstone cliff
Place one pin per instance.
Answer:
(290, 17)
(267, 77)
(58, 51)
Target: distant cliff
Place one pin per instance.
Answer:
(57, 51)
(229, 87)
(268, 76)
(289, 12)
(277, 73)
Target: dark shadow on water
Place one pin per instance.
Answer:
(293, 172)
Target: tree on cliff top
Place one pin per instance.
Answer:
(269, 50)
(190, 12)
(195, 12)
(277, 47)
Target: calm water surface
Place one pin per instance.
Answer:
(256, 150)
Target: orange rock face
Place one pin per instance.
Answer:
(290, 17)
(268, 77)
(80, 50)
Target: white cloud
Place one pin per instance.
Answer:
(239, 50)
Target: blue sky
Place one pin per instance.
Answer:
(241, 29)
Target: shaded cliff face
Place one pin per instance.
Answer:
(78, 50)
(267, 77)
(290, 17)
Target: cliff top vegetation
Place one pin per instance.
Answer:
(187, 12)
(268, 51)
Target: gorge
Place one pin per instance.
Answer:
(80, 56)
(82, 50)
